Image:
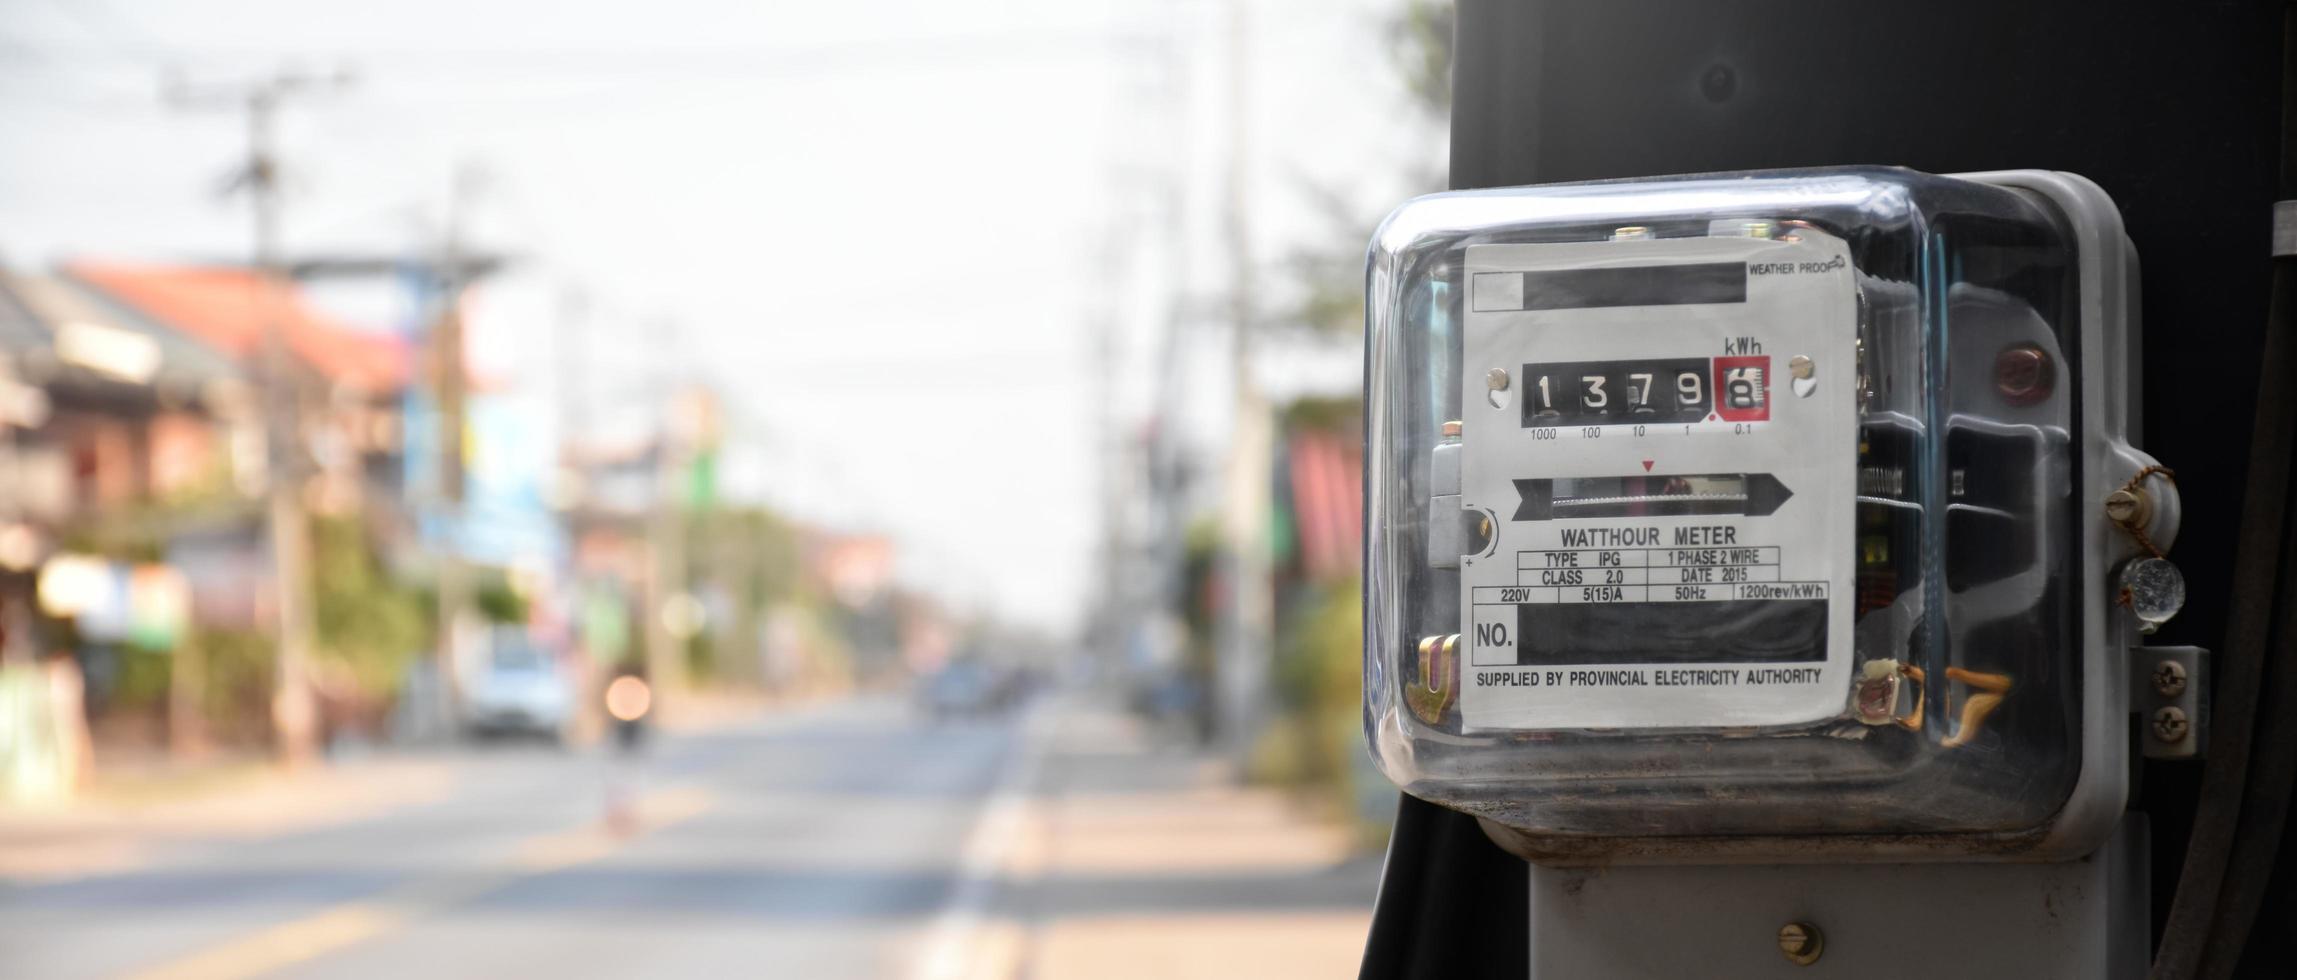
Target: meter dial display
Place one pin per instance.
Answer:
(1615, 392)
(1647, 391)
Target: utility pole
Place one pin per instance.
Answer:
(1244, 657)
(450, 393)
(439, 282)
(1166, 468)
(294, 713)
(573, 381)
(666, 529)
(1114, 620)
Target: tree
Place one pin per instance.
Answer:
(1329, 279)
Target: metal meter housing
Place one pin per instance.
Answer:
(1754, 514)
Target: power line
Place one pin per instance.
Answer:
(101, 23)
(709, 60)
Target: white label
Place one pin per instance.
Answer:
(1673, 539)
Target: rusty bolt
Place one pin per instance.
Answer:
(1496, 380)
(2169, 678)
(2169, 725)
(1801, 942)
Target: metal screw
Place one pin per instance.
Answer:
(2169, 725)
(1799, 366)
(1497, 379)
(2169, 678)
(2122, 505)
(2024, 375)
(1801, 942)
(2130, 507)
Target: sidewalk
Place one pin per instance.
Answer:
(134, 812)
(1136, 859)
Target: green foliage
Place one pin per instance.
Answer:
(707, 655)
(367, 621)
(1331, 285)
(1329, 281)
(1420, 42)
(751, 558)
(1319, 679)
(1200, 563)
(1340, 415)
(775, 557)
(142, 680)
(752, 551)
(500, 603)
(236, 697)
(832, 649)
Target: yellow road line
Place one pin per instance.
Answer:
(348, 923)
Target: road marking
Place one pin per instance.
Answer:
(959, 944)
(349, 923)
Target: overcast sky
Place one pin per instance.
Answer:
(882, 230)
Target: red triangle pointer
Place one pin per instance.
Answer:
(1647, 466)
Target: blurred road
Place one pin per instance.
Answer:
(853, 840)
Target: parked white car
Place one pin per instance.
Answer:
(522, 690)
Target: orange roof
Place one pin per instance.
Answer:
(222, 306)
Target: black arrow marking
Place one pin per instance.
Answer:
(1537, 500)
(1764, 494)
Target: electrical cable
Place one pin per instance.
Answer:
(1450, 901)
(2238, 815)
(2265, 804)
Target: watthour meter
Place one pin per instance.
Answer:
(1761, 514)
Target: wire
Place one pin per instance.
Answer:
(2265, 803)
(104, 26)
(2238, 817)
(699, 60)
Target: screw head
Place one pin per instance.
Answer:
(2170, 725)
(1801, 943)
(1799, 366)
(1497, 379)
(2169, 678)
(2024, 375)
(2124, 506)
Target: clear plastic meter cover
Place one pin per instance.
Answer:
(1733, 505)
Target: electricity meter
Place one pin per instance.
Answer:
(1760, 514)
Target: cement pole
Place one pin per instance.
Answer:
(294, 712)
(665, 649)
(450, 396)
(1245, 653)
